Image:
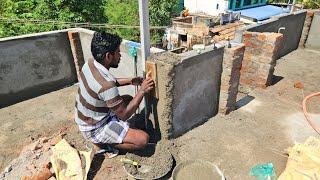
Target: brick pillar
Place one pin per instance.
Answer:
(306, 28)
(76, 48)
(230, 77)
(261, 53)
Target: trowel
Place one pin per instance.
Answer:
(140, 167)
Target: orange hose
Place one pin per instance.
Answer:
(304, 107)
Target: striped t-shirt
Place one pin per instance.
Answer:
(97, 94)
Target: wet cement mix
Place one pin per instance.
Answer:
(157, 157)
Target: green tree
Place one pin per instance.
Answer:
(311, 4)
(161, 12)
(125, 12)
(58, 10)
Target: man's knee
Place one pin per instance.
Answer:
(143, 140)
(136, 137)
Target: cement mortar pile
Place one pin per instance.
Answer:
(157, 157)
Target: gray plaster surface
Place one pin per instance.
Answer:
(197, 87)
(33, 65)
(189, 87)
(313, 40)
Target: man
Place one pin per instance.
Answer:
(100, 111)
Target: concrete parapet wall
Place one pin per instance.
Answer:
(32, 65)
(313, 40)
(35, 64)
(293, 24)
(189, 87)
(230, 78)
(262, 51)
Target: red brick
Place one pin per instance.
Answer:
(310, 13)
(298, 85)
(262, 37)
(247, 35)
(273, 37)
(56, 139)
(247, 56)
(248, 43)
(268, 47)
(44, 174)
(47, 165)
(25, 178)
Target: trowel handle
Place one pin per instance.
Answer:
(129, 161)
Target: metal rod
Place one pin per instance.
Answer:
(136, 75)
(145, 42)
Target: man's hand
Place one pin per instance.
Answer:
(147, 85)
(124, 112)
(136, 81)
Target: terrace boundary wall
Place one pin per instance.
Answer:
(32, 65)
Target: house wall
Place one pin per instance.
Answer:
(206, 6)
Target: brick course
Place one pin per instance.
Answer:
(75, 43)
(261, 53)
(232, 62)
(306, 28)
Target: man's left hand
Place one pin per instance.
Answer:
(136, 81)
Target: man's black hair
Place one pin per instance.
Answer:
(102, 43)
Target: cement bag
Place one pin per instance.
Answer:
(304, 161)
(67, 164)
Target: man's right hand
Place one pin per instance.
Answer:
(125, 111)
(147, 85)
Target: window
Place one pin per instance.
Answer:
(246, 2)
(183, 37)
(241, 4)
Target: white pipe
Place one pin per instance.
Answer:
(145, 44)
(144, 31)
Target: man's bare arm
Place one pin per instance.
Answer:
(129, 81)
(123, 81)
(124, 112)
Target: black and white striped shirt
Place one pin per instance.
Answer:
(97, 94)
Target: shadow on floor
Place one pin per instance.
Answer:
(244, 101)
(95, 166)
(275, 79)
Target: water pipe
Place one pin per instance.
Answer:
(281, 28)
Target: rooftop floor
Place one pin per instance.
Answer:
(268, 121)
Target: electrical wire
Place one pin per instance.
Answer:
(75, 24)
(306, 114)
